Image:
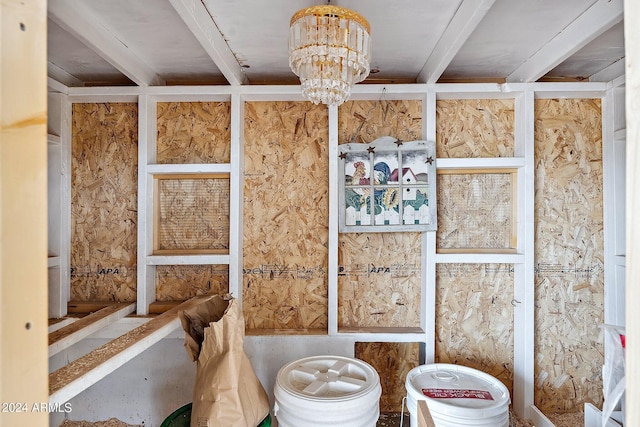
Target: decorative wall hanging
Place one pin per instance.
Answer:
(387, 185)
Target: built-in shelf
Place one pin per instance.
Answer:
(481, 163)
(479, 258)
(187, 259)
(204, 168)
(381, 334)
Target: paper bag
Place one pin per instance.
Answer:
(227, 391)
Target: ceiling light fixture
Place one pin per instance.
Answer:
(330, 50)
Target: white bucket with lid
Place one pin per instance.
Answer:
(327, 391)
(458, 396)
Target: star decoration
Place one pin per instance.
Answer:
(429, 160)
(371, 150)
(342, 155)
(398, 143)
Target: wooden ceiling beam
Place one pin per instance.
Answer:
(597, 19)
(61, 76)
(76, 19)
(200, 22)
(610, 73)
(464, 21)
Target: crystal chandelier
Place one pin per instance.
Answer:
(330, 50)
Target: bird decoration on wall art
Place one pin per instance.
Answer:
(387, 184)
(381, 174)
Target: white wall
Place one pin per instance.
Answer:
(632, 53)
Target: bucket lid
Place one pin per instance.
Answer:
(331, 378)
(459, 390)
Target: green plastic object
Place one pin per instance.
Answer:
(182, 418)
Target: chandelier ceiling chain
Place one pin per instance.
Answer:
(330, 50)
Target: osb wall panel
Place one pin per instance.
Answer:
(181, 282)
(475, 211)
(474, 318)
(393, 361)
(569, 254)
(104, 186)
(365, 121)
(194, 132)
(286, 212)
(379, 279)
(379, 273)
(475, 128)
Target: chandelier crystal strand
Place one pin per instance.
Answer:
(330, 50)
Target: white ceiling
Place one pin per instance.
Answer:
(159, 42)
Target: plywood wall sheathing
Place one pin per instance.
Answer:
(194, 132)
(181, 282)
(474, 128)
(474, 318)
(379, 280)
(365, 121)
(476, 210)
(104, 186)
(569, 254)
(379, 273)
(286, 213)
(392, 361)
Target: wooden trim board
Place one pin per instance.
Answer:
(59, 322)
(67, 336)
(279, 332)
(157, 178)
(539, 419)
(159, 307)
(23, 211)
(82, 373)
(86, 307)
(424, 416)
(632, 287)
(513, 237)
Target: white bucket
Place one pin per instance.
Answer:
(457, 396)
(327, 391)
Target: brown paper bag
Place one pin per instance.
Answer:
(227, 392)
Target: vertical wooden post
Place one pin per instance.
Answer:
(632, 52)
(236, 206)
(23, 212)
(147, 133)
(429, 285)
(524, 292)
(333, 222)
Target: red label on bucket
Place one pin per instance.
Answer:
(450, 393)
